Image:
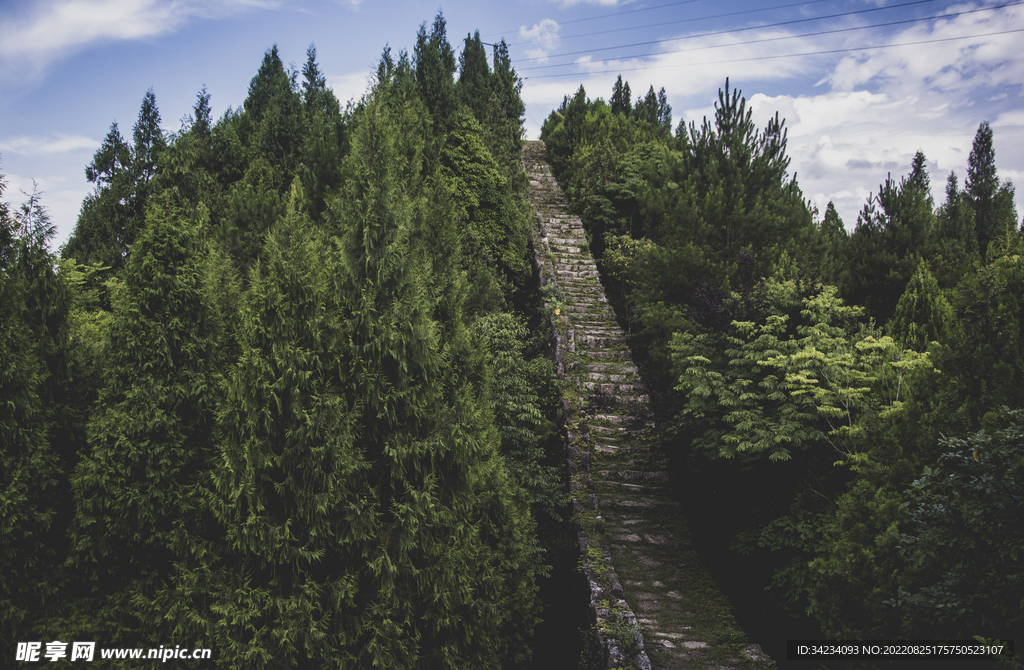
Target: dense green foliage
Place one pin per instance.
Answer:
(852, 369)
(274, 400)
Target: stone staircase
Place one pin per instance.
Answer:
(652, 603)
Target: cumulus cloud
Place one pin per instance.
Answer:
(55, 28)
(544, 36)
(349, 86)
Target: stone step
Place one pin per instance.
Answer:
(611, 377)
(642, 475)
(622, 477)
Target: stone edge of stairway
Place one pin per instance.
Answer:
(607, 603)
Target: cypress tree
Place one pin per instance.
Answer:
(621, 101)
(923, 315)
(981, 186)
(31, 302)
(272, 124)
(474, 84)
(434, 62)
(290, 489)
(507, 86)
(149, 435)
(325, 137)
(100, 234)
(454, 543)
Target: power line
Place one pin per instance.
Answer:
(605, 16)
(690, 20)
(787, 37)
(738, 30)
(806, 53)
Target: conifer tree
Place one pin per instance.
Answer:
(30, 471)
(202, 122)
(982, 185)
(474, 85)
(149, 142)
(919, 177)
(272, 124)
(434, 61)
(325, 137)
(149, 437)
(100, 233)
(621, 101)
(507, 86)
(290, 489)
(448, 520)
(923, 315)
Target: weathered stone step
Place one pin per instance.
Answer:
(651, 476)
(615, 468)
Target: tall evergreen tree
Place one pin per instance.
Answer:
(621, 101)
(982, 185)
(100, 235)
(474, 85)
(923, 315)
(202, 121)
(271, 127)
(149, 437)
(148, 143)
(919, 177)
(325, 137)
(30, 471)
(290, 490)
(447, 518)
(434, 61)
(507, 86)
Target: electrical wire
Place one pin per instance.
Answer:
(796, 55)
(690, 20)
(738, 30)
(605, 16)
(784, 37)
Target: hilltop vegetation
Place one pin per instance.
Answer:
(279, 395)
(866, 384)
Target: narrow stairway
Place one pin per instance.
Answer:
(654, 604)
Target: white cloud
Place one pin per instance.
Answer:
(544, 35)
(56, 28)
(349, 86)
(57, 143)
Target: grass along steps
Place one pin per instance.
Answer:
(652, 603)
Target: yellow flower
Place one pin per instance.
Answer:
(558, 311)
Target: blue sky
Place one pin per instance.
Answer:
(862, 84)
